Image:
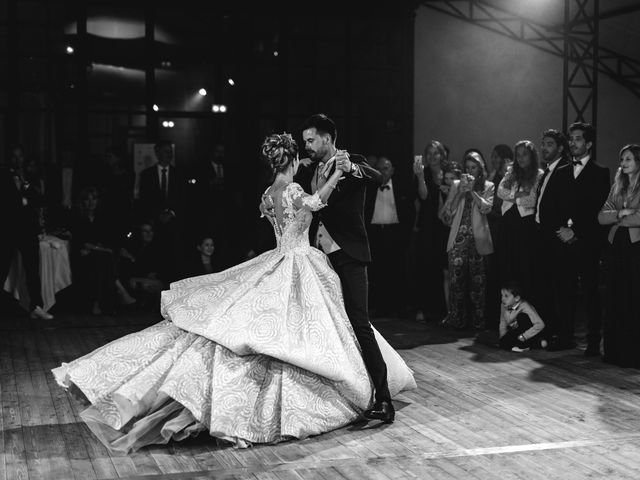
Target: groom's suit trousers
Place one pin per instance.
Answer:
(355, 287)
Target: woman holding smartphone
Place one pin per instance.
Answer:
(469, 201)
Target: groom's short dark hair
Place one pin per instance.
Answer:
(322, 124)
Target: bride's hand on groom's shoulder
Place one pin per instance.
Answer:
(306, 162)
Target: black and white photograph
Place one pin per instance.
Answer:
(327, 240)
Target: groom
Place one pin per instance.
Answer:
(339, 231)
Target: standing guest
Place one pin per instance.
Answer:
(451, 174)
(470, 200)
(115, 184)
(21, 203)
(426, 262)
(621, 332)
(388, 215)
(501, 159)
(584, 233)
(556, 263)
(517, 190)
(214, 199)
(162, 198)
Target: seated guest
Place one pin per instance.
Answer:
(141, 265)
(203, 259)
(92, 257)
(388, 219)
(621, 329)
(520, 324)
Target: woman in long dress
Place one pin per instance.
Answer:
(621, 329)
(259, 353)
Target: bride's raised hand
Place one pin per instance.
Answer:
(266, 206)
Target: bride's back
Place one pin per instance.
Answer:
(291, 223)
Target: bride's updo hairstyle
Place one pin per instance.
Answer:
(279, 150)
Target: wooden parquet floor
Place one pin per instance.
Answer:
(478, 413)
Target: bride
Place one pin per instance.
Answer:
(260, 353)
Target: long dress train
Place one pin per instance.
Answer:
(261, 352)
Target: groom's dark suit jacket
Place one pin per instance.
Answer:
(343, 217)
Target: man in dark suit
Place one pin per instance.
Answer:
(212, 201)
(19, 211)
(554, 283)
(388, 216)
(590, 191)
(162, 199)
(339, 230)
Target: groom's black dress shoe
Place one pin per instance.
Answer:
(381, 411)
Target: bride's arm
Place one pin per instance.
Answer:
(325, 191)
(319, 199)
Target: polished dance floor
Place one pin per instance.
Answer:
(478, 413)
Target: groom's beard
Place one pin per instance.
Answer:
(313, 156)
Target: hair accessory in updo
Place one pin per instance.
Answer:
(279, 149)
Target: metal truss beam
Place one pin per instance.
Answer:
(614, 12)
(580, 62)
(622, 69)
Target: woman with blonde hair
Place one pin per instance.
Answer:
(517, 190)
(469, 201)
(621, 329)
(262, 352)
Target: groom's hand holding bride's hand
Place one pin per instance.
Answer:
(342, 161)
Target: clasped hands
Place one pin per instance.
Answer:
(342, 162)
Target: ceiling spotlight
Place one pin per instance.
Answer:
(275, 53)
(202, 92)
(231, 82)
(165, 124)
(215, 108)
(223, 108)
(155, 107)
(70, 49)
(171, 124)
(165, 63)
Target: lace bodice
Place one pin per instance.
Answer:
(293, 216)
